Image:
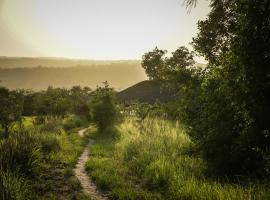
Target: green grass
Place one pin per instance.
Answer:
(37, 161)
(154, 160)
(58, 180)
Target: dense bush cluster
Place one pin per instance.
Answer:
(58, 101)
(225, 105)
(45, 105)
(103, 108)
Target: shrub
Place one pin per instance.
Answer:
(104, 110)
(73, 121)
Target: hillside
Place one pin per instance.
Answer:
(145, 91)
(39, 73)
(119, 75)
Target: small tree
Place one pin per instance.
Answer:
(104, 110)
(11, 103)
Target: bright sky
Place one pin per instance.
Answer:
(95, 29)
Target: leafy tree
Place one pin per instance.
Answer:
(171, 71)
(79, 99)
(53, 101)
(104, 110)
(153, 63)
(11, 108)
(226, 105)
(235, 40)
(29, 103)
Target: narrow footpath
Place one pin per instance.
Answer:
(88, 187)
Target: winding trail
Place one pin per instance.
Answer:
(88, 187)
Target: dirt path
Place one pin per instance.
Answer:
(88, 186)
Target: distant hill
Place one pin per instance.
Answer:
(145, 91)
(39, 73)
(28, 62)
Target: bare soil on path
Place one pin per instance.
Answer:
(88, 186)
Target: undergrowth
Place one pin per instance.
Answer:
(151, 159)
(37, 161)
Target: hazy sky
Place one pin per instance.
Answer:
(95, 29)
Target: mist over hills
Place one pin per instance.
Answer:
(26, 62)
(39, 73)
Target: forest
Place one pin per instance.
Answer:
(211, 140)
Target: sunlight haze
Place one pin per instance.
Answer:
(95, 29)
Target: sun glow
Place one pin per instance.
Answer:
(98, 29)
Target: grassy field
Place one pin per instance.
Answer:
(41, 161)
(151, 159)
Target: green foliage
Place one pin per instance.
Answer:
(159, 67)
(39, 120)
(104, 111)
(58, 102)
(71, 147)
(229, 114)
(225, 106)
(12, 187)
(51, 125)
(143, 110)
(33, 162)
(153, 63)
(11, 108)
(152, 160)
(20, 153)
(37, 151)
(109, 173)
(73, 121)
(79, 98)
(53, 101)
(19, 159)
(49, 143)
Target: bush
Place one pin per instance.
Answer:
(220, 122)
(73, 121)
(104, 110)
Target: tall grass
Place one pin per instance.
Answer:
(19, 160)
(13, 186)
(154, 157)
(35, 158)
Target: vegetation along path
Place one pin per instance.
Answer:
(88, 186)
